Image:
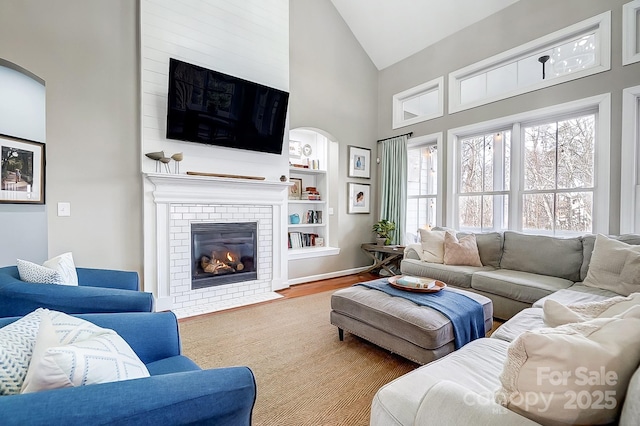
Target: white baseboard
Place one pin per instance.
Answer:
(327, 276)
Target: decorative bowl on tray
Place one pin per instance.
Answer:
(417, 284)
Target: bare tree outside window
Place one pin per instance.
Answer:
(559, 175)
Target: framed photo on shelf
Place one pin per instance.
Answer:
(295, 149)
(295, 190)
(359, 198)
(359, 162)
(21, 171)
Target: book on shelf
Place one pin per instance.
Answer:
(301, 239)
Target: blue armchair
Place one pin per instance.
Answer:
(177, 393)
(98, 291)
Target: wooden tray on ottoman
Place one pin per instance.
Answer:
(439, 285)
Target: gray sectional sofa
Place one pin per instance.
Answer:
(518, 269)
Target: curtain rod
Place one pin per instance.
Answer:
(386, 139)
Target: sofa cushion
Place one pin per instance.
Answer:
(614, 266)
(525, 320)
(461, 252)
(557, 257)
(489, 247)
(173, 364)
(399, 401)
(554, 313)
(521, 286)
(560, 378)
(631, 409)
(100, 357)
(577, 293)
(432, 243)
(459, 276)
(65, 266)
(588, 243)
(17, 341)
(33, 273)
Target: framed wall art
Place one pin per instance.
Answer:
(359, 198)
(359, 162)
(22, 172)
(295, 190)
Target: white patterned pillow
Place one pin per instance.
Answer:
(461, 252)
(101, 358)
(17, 341)
(33, 273)
(65, 266)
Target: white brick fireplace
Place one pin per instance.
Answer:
(182, 200)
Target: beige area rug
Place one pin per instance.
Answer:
(305, 375)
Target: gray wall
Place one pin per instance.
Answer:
(522, 22)
(333, 88)
(86, 52)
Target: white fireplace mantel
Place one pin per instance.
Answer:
(188, 190)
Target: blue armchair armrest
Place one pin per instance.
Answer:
(178, 392)
(113, 291)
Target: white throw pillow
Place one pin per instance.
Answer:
(575, 374)
(65, 266)
(555, 313)
(432, 243)
(614, 266)
(101, 357)
(17, 341)
(33, 273)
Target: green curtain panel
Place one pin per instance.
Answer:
(393, 188)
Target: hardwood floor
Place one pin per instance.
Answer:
(326, 285)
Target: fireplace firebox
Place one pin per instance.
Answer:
(223, 253)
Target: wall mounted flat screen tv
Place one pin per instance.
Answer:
(213, 108)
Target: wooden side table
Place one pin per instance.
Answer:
(388, 255)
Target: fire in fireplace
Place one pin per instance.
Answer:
(223, 253)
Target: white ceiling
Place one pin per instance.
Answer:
(391, 30)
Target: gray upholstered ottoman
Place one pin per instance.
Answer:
(415, 332)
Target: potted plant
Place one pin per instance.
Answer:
(384, 229)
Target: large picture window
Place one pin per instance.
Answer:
(541, 172)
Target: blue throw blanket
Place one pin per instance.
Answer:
(466, 315)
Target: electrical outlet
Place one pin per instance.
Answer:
(64, 209)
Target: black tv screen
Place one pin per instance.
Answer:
(210, 107)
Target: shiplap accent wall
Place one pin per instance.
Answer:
(248, 39)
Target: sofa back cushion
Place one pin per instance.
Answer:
(557, 257)
(588, 243)
(489, 247)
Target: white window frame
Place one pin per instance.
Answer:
(435, 85)
(600, 23)
(630, 164)
(600, 103)
(438, 140)
(630, 48)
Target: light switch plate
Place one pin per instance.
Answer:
(330, 210)
(64, 209)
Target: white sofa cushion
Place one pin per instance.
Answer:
(614, 266)
(555, 313)
(576, 373)
(476, 367)
(432, 243)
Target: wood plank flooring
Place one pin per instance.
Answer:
(326, 285)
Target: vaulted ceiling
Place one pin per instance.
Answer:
(392, 30)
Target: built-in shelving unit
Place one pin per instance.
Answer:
(309, 237)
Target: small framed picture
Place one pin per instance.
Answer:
(22, 171)
(295, 149)
(359, 198)
(359, 162)
(295, 190)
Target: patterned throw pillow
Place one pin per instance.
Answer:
(17, 341)
(86, 354)
(65, 266)
(33, 273)
(463, 252)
